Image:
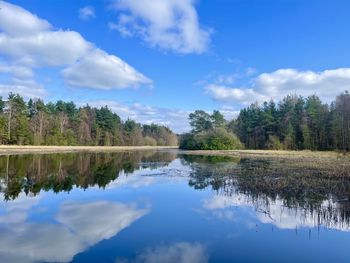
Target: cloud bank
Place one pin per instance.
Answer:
(177, 120)
(275, 85)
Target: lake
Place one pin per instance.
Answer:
(166, 206)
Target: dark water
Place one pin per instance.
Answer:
(168, 207)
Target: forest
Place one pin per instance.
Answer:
(294, 123)
(33, 122)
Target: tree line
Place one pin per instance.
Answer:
(295, 123)
(63, 123)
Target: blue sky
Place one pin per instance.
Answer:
(157, 60)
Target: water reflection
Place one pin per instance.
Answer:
(74, 228)
(184, 252)
(288, 197)
(61, 172)
(155, 206)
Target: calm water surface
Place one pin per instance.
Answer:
(168, 207)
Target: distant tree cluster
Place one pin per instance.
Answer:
(63, 123)
(209, 132)
(296, 123)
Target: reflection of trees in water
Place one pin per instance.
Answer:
(318, 195)
(61, 172)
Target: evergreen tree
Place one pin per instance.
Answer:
(62, 123)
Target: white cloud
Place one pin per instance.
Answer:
(177, 120)
(87, 12)
(17, 71)
(46, 48)
(16, 21)
(28, 90)
(166, 24)
(26, 87)
(326, 84)
(102, 71)
(227, 94)
(28, 42)
(229, 112)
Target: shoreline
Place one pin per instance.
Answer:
(31, 149)
(28, 149)
(268, 153)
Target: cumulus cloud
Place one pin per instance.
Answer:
(275, 85)
(226, 94)
(166, 24)
(16, 21)
(45, 48)
(29, 42)
(87, 12)
(102, 71)
(175, 119)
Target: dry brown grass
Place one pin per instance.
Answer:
(331, 160)
(21, 149)
(273, 153)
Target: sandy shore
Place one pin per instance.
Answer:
(20, 149)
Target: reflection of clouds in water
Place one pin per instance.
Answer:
(16, 211)
(81, 225)
(174, 171)
(180, 252)
(93, 222)
(274, 212)
(32, 242)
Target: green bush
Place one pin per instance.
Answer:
(274, 143)
(218, 139)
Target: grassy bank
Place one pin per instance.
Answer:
(272, 153)
(20, 149)
(335, 163)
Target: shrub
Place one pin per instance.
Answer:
(149, 141)
(218, 139)
(274, 143)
